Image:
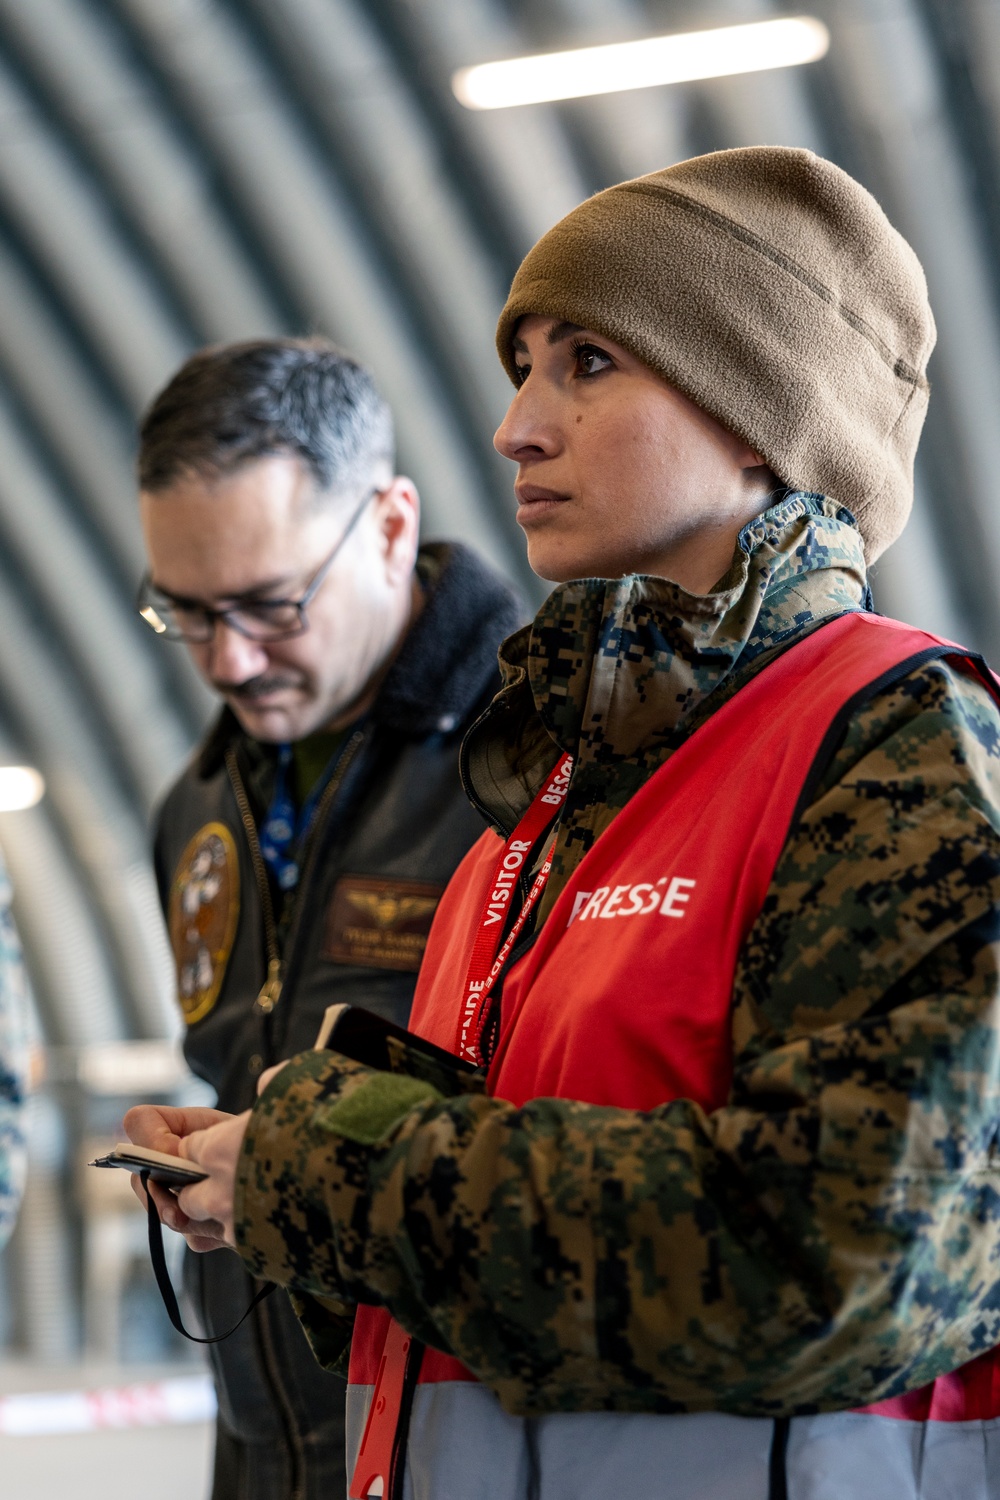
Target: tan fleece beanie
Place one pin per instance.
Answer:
(771, 289)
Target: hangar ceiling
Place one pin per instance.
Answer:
(175, 172)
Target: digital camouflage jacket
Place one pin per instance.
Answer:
(866, 1084)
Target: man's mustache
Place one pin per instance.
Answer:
(256, 687)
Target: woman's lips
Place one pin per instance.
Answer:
(534, 502)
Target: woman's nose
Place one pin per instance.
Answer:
(528, 430)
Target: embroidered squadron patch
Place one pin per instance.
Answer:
(380, 924)
(204, 907)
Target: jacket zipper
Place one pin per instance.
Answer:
(293, 1438)
(312, 842)
(270, 992)
(268, 998)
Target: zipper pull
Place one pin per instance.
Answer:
(271, 990)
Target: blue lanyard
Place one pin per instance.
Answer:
(283, 829)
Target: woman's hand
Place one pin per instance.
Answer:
(175, 1131)
(208, 1205)
(211, 1139)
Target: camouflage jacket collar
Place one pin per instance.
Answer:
(613, 670)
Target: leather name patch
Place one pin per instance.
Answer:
(379, 923)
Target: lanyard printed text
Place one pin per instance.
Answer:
(487, 964)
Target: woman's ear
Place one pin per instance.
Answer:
(758, 476)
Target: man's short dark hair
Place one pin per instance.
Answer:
(234, 403)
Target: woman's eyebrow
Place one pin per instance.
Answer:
(555, 335)
(560, 331)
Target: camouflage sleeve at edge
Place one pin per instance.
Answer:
(328, 1324)
(13, 1064)
(828, 1238)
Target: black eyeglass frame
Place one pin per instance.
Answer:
(148, 593)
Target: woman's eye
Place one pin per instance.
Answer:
(591, 360)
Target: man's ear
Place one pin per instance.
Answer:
(399, 524)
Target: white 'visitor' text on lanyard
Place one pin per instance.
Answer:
(487, 964)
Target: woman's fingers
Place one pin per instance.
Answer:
(161, 1126)
(201, 1236)
(216, 1150)
(209, 1236)
(208, 1208)
(151, 1125)
(209, 1138)
(268, 1074)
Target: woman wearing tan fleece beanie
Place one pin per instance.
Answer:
(769, 287)
(706, 1206)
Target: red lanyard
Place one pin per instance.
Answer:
(486, 964)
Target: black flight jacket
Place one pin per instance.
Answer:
(389, 830)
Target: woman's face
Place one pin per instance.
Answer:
(617, 471)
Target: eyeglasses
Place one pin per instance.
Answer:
(177, 619)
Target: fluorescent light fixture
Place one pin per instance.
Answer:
(134, 1069)
(20, 787)
(719, 53)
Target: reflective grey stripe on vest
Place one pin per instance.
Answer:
(856, 1456)
(464, 1446)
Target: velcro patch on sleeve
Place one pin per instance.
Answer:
(379, 923)
(370, 1112)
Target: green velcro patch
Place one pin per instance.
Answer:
(371, 1111)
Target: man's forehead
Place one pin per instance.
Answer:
(247, 532)
(274, 486)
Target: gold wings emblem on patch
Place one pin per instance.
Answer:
(388, 908)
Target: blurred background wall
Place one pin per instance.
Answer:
(177, 172)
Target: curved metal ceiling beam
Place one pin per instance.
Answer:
(101, 635)
(125, 136)
(622, 135)
(885, 64)
(522, 155)
(103, 843)
(72, 981)
(310, 232)
(91, 820)
(347, 91)
(86, 450)
(117, 301)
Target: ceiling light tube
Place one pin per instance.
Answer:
(681, 58)
(20, 787)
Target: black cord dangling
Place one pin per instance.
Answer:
(159, 1261)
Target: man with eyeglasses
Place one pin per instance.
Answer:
(301, 854)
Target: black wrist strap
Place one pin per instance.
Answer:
(159, 1260)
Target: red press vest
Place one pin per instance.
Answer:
(624, 998)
